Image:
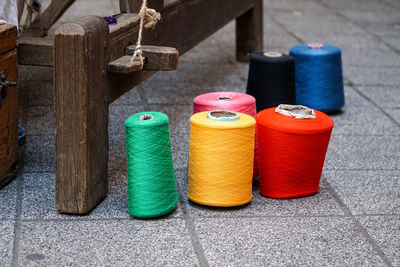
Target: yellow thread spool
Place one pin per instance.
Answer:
(221, 158)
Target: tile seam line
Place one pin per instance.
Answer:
(350, 83)
(196, 244)
(357, 224)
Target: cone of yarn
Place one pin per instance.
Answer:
(293, 141)
(151, 180)
(221, 158)
(233, 101)
(319, 77)
(271, 79)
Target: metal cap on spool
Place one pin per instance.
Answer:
(223, 115)
(296, 111)
(272, 54)
(315, 45)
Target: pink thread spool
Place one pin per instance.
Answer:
(232, 101)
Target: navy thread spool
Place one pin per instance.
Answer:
(271, 79)
(319, 77)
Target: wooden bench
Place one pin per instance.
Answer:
(84, 86)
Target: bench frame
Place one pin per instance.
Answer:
(84, 87)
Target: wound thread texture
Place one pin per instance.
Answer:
(291, 153)
(319, 77)
(233, 101)
(221, 160)
(151, 180)
(271, 79)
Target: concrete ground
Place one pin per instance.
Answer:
(353, 220)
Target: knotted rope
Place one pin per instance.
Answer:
(148, 19)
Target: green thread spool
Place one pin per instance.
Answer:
(151, 180)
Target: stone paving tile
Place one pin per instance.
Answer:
(363, 152)
(39, 153)
(379, 76)
(8, 200)
(363, 120)
(321, 204)
(106, 243)
(394, 113)
(386, 232)
(353, 98)
(393, 41)
(40, 120)
(6, 242)
(367, 192)
(38, 200)
(284, 241)
(370, 57)
(385, 97)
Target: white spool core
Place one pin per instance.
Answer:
(224, 98)
(223, 115)
(146, 117)
(272, 54)
(296, 111)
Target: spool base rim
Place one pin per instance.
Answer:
(221, 205)
(289, 196)
(168, 210)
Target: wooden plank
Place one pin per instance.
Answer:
(249, 32)
(124, 64)
(9, 117)
(81, 56)
(134, 6)
(184, 24)
(157, 58)
(48, 17)
(8, 36)
(35, 51)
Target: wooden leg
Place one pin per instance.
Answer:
(249, 32)
(81, 55)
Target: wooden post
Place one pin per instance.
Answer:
(133, 6)
(9, 105)
(81, 56)
(249, 32)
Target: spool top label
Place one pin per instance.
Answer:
(315, 46)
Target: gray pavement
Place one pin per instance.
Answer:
(353, 220)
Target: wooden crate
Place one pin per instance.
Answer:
(9, 106)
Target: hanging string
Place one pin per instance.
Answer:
(148, 19)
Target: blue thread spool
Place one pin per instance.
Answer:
(319, 77)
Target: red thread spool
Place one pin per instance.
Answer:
(291, 153)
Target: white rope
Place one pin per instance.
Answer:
(150, 16)
(31, 9)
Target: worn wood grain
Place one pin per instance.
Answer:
(249, 32)
(35, 51)
(48, 17)
(8, 35)
(157, 58)
(133, 6)
(81, 55)
(9, 107)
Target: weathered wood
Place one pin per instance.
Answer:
(9, 106)
(48, 17)
(133, 6)
(8, 36)
(249, 32)
(157, 58)
(124, 64)
(81, 54)
(184, 24)
(35, 51)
